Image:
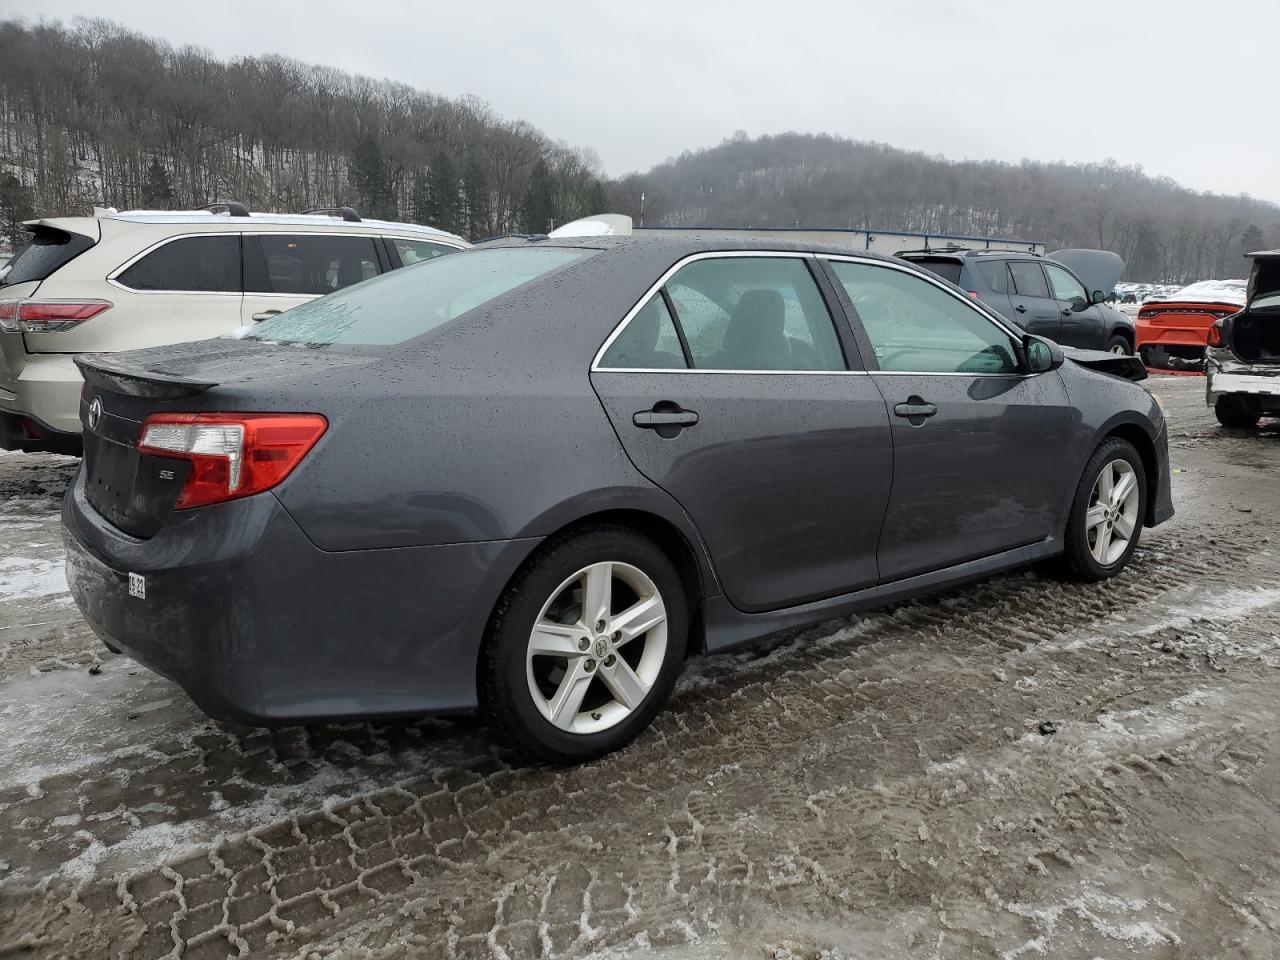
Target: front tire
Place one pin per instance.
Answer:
(1233, 412)
(585, 645)
(1106, 514)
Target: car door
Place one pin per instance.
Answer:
(1081, 321)
(729, 388)
(1034, 309)
(979, 448)
(282, 270)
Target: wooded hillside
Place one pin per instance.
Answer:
(1164, 231)
(94, 114)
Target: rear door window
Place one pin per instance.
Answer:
(754, 313)
(415, 251)
(307, 264)
(995, 274)
(208, 264)
(47, 250)
(1028, 279)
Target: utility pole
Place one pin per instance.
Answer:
(642, 208)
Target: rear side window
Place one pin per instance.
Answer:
(208, 264)
(648, 342)
(415, 251)
(404, 304)
(995, 274)
(945, 267)
(307, 264)
(1028, 279)
(754, 313)
(47, 250)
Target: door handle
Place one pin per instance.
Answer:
(1066, 312)
(664, 418)
(915, 409)
(1020, 308)
(264, 315)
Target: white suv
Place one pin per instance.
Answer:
(122, 281)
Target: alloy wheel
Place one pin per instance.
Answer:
(1120, 349)
(1112, 517)
(597, 647)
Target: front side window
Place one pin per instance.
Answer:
(1064, 285)
(648, 342)
(915, 326)
(307, 264)
(1028, 279)
(404, 304)
(415, 251)
(209, 264)
(754, 313)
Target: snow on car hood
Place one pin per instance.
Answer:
(1212, 291)
(1099, 269)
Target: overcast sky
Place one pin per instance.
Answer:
(1184, 88)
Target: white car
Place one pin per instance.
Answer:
(123, 281)
(1242, 364)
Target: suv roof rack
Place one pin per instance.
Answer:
(346, 213)
(949, 248)
(232, 207)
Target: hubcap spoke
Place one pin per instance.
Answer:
(1102, 545)
(1120, 493)
(1124, 526)
(637, 619)
(1106, 483)
(623, 683)
(597, 594)
(1096, 515)
(555, 639)
(563, 708)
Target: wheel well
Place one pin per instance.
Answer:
(1126, 333)
(675, 545)
(1147, 451)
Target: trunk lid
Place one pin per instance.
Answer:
(136, 492)
(1253, 335)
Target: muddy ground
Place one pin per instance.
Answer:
(1015, 769)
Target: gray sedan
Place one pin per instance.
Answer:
(532, 478)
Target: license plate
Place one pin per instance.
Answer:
(137, 586)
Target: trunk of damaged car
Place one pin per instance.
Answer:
(1255, 332)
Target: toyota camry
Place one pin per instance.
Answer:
(531, 478)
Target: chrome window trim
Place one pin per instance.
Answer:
(657, 287)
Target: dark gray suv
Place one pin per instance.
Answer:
(1042, 295)
(531, 477)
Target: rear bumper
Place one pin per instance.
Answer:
(259, 626)
(26, 433)
(47, 391)
(1260, 383)
(1168, 335)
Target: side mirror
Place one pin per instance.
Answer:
(1099, 296)
(1042, 355)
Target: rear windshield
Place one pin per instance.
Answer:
(947, 269)
(47, 250)
(409, 302)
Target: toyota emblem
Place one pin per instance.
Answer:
(95, 412)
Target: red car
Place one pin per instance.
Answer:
(1173, 333)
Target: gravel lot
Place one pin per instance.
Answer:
(1014, 769)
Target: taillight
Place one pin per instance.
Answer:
(47, 316)
(1214, 335)
(231, 454)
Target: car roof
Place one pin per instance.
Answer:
(223, 220)
(685, 245)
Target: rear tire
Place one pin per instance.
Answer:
(1119, 345)
(1106, 517)
(585, 645)
(1233, 412)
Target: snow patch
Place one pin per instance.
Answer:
(22, 577)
